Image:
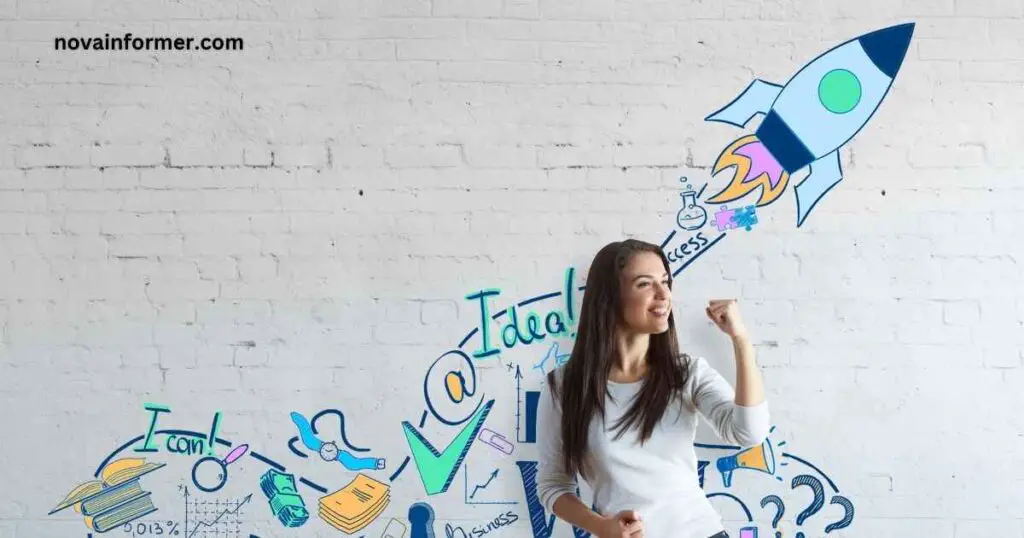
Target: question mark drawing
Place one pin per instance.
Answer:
(816, 504)
(847, 517)
(770, 499)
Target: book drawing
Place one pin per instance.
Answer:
(116, 498)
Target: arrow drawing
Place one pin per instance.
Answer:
(190, 534)
(519, 402)
(466, 497)
(494, 474)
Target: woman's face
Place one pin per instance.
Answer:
(646, 295)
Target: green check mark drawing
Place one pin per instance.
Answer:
(437, 469)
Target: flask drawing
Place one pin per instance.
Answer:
(692, 216)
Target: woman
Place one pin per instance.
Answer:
(622, 412)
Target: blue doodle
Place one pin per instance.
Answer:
(745, 217)
(746, 511)
(443, 407)
(847, 516)
(727, 219)
(541, 528)
(526, 412)
(780, 508)
(816, 503)
(552, 353)
(494, 474)
(421, 519)
(329, 451)
(465, 488)
(692, 216)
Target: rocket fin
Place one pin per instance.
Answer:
(757, 98)
(824, 174)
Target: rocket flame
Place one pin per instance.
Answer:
(755, 167)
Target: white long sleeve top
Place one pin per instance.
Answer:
(658, 480)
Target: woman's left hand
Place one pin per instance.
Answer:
(725, 313)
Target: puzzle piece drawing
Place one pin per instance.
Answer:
(727, 219)
(723, 219)
(746, 217)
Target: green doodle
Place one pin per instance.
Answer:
(437, 469)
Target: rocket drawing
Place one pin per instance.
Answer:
(809, 119)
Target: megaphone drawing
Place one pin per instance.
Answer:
(757, 458)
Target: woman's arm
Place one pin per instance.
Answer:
(568, 507)
(744, 425)
(739, 415)
(749, 385)
(553, 482)
(557, 490)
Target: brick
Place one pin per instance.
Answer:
(423, 157)
(82, 223)
(11, 223)
(561, 157)
(145, 245)
(147, 200)
(138, 223)
(23, 202)
(241, 200)
(127, 155)
(438, 312)
(993, 10)
(463, 8)
(51, 156)
(101, 179)
(975, 49)
(204, 378)
(299, 156)
(15, 179)
(501, 157)
(178, 289)
(363, 49)
(205, 155)
(492, 71)
(268, 222)
(344, 156)
(1002, 71)
(205, 222)
(209, 244)
(254, 155)
(217, 269)
(521, 9)
(84, 201)
(395, 28)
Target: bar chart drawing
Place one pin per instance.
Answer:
(526, 412)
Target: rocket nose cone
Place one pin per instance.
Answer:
(887, 47)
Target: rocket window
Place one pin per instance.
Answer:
(839, 91)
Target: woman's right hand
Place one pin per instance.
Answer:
(625, 524)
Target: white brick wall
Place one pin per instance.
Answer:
(295, 227)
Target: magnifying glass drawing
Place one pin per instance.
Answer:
(222, 477)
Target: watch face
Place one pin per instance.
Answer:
(329, 451)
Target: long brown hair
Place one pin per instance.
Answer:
(585, 380)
